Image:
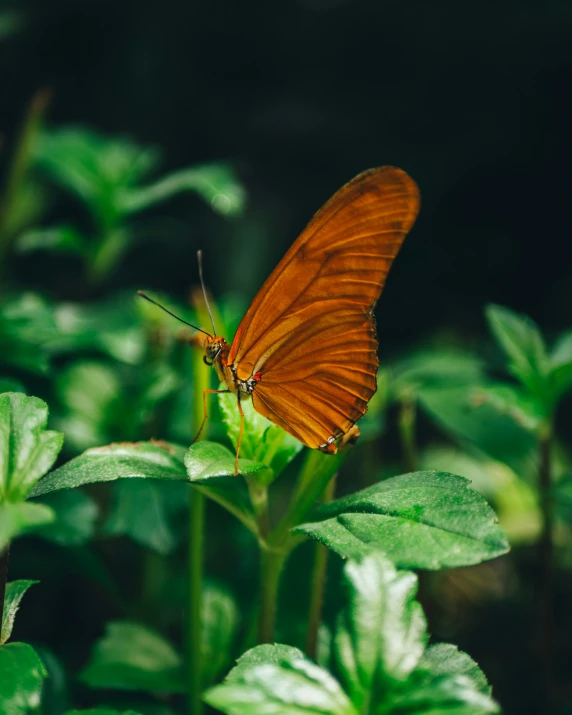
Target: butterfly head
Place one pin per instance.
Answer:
(214, 347)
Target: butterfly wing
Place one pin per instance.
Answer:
(309, 335)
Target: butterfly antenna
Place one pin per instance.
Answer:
(144, 295)
(200, 260)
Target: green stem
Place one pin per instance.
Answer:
(316, 473)
(407, 422)
(319, 573)
(196, 552)
(4, 558)
(194, 650)
(546, 548)
(112, 244)
(271, 563)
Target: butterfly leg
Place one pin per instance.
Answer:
(239, 433)
(205, 415)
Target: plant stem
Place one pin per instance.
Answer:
(194, 650)
(271, 563)
(546, 548)
(317, 471)
(407, 422)
(4, 558)
(196, 548)
(319, 573)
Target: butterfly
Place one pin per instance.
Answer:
(305, 351)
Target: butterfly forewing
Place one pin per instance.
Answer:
(309, 335)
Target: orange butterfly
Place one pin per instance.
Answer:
(305, 352)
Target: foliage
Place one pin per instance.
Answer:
(124, 384)
(380, 660)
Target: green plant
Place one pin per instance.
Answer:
(421, 520)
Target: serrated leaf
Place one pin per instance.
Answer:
(74, 524)
(262, 441)
(21, 676)
(279, 680)
(381, 634)
(15, 591)
(21, 518)
(447, 659)
(130, 656)
(429, 692)
(116, 461)
(144, 509)
(524, 347)
(27, 448)
(426, 520)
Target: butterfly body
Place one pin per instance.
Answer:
(306, 349)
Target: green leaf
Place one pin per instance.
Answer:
(27, 449)
(521, 406)
(116, 461)
(15, 591)
(447, 659)
(144, 510)
(61, 239)
(450, 368)
(75, 512)
(219, 622)
(261, 440)
(279, 679)
(426, 520)
(524, 347)
(21, 518)
(380, 658)
(94, 168)
(89, 392)
(133, 657)
(101, 711)
(215, 183)
(382, 633)
(482, 426)
(561, 365)
(113, 326)
(446, 681)
(26, 326)
(21, 676)
(562, 495)
(210, 466)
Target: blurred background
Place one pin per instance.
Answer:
(134, 134)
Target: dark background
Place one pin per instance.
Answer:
(473, 100)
